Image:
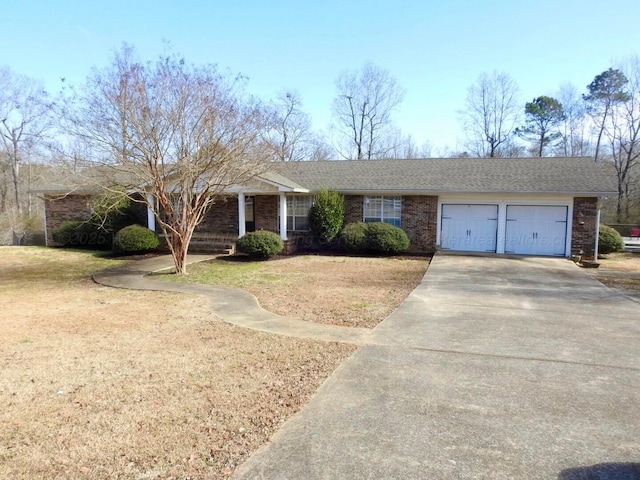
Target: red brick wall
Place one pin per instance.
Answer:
(583, 234)
(222, 218)
(420, 221)
(60, 208)
(353, 205)
(267, 213)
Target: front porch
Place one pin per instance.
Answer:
(263, 204)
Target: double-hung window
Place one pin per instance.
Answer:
(298, 212)
(383, 209)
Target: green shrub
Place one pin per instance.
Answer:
(76, 233)
(326, 215)
(609, 240)
(384, 238)
(135, 239)
(353, 237)
(65, 233)
(376, 237)
(260, 244)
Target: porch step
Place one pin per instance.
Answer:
(212, 244)
(207, 246)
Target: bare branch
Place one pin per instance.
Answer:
(363, 107)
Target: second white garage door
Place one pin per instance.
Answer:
(536, 230)
(469, 228)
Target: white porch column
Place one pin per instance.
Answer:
(596, 246)
(151, 218)
(242, 225)
(283, 216)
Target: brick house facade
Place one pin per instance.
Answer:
(415, 192)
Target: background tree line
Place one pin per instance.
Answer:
(45, 138)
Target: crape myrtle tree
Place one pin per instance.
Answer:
(543, 117)
(492, 110)
(362, 109)
(184, 134)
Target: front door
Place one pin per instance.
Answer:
(249, 214)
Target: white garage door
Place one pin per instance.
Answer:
(536, 230)
(469, 228)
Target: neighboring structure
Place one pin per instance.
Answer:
(526, 206)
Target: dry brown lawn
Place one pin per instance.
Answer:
(100, 383)
(620, 270)
(338, 290)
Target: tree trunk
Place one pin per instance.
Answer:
(16, 189)
(619, 203)
(179, 246)
(179, 252)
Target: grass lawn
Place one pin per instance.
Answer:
(339, 290)
(104, 383)
(620, 270)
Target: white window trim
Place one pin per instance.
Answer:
(289, 214)
(382, 217)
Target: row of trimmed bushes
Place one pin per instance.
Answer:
(380, 238)
(375, 238)
(130, 239)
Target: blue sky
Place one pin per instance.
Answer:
(435, 48)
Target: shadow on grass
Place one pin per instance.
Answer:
(242, 258)
(603, 471)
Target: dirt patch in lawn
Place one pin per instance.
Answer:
(337, 290)
(104, 383)
(620, 270)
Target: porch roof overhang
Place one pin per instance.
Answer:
(269, 182)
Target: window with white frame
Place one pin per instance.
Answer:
(298, 212)
(383, 209)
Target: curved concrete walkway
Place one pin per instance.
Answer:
(231, 305)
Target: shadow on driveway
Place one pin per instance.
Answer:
(603, 471)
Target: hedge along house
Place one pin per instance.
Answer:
(522, 206)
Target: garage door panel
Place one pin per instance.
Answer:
(469, 227)
(536, 230)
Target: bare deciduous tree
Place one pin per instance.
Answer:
(574, 138)
(362, 108)
(402, 146)
(288, 133)
(622, 130)
(5, 167)
(182, 133)
(25, 109)
(492, 110)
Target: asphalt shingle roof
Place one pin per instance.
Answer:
(573, 175)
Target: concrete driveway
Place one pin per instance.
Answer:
(493, 368)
